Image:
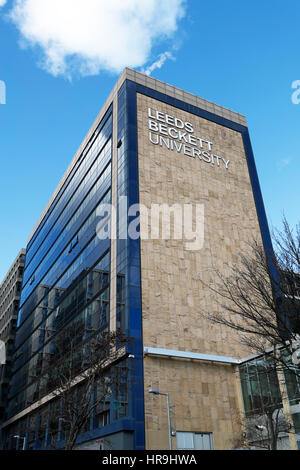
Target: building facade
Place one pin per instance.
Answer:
(186, 166)
(271, 395)
(10, 292)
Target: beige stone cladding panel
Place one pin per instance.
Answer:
(198, 402)
(172, 292)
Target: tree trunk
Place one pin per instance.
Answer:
(71, 439)
(273, 436)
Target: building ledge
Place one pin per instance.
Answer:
(189, 355)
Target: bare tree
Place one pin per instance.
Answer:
(264, 422)
(262, 430)
(260, 298)
(265, 428)
(267, 423)
(82, 373)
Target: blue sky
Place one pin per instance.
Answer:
(241, 55)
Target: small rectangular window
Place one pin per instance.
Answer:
(194, 441)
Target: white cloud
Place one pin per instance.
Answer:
(2, 3)
(86, 36)
(158, 63)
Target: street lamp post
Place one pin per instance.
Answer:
(155, 391)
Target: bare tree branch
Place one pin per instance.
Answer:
(260, 298)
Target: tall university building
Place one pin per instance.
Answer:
(154, 144)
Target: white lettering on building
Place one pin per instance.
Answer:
(176, 134)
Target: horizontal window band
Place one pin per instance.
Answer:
(122, 355)
(55, 199)
(76, 193)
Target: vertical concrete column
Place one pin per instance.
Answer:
(114, 196)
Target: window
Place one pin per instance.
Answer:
(194, 441)
(101, 420)
(260, 385)
(74, 243)
(296, 420)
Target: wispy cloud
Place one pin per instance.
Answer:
(158, 63)
(283, 163)
(2, 3)
(83, 37)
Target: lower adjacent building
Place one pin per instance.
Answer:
(10, 291)
(162, 192)
(271, 395)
